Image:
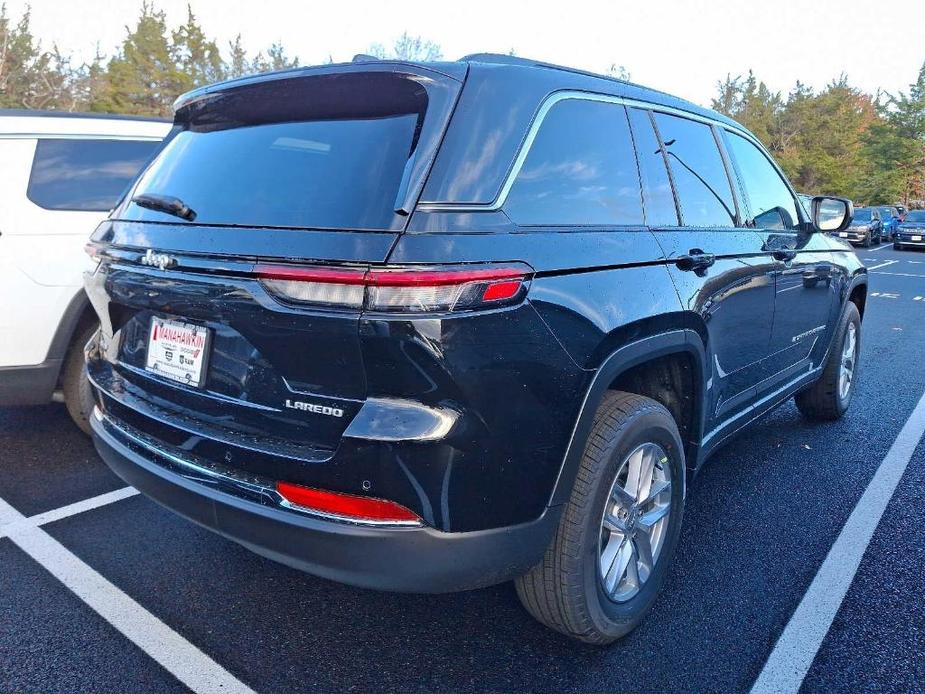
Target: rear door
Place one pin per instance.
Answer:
(299, 176)
(716, 265)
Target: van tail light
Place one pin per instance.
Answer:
(347, 506)
(400, 289)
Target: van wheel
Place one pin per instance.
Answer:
(618, 531)
(829, 397)
(78, 395)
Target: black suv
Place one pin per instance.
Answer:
(429, 327)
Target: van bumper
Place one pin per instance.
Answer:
(407, 559)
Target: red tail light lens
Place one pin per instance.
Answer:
(348, 506)
(399, 289)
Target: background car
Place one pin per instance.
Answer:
(59, 175)
(889, 216)
(911, 231)
(865, 229)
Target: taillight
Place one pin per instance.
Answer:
(327, 286)
(400, 289)
(347, 506)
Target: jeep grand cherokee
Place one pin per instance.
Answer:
(429, 327)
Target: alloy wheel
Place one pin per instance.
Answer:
(848, 361)
(635, 522)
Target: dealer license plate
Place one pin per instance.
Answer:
(178, 350)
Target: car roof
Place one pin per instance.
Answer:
(29, 123)
(563, 77)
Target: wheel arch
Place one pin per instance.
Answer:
(79, 313)
(685, 343)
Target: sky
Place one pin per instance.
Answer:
(682, 48)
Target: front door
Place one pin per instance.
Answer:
(805, 286)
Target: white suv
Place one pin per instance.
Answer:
(60, 173)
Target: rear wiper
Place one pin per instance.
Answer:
(166, 203)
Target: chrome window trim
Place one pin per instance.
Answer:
(70, 136)
(542, 112)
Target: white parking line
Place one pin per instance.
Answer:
(879, 248)
(800, 641)
(174, 653)
(69, 510)
(888, 262)
(896, 274)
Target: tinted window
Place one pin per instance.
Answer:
(85, 174)
(771, 205)
(862, 215)
(324, 152)
(915, 216)
(581, 169)
(888, 213)
(698, 171)
(656, 187)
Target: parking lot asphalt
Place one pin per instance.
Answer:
(759, 522)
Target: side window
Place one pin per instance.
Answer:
(581, 169)
(86, 175)
(771, 205)
(658, 198)
(699, 174)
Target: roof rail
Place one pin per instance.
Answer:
(36, 113)
(365, 58)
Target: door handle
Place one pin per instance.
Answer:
(696, 260)
(784, 254)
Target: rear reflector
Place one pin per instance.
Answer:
(348, 506)
(398, 289)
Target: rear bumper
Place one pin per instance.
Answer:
(907, 242)
(29, 385)
(418, 559)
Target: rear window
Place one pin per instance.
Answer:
(862, 215)
(85, 175)
(319, 152)
(915, 216)
(580, 170)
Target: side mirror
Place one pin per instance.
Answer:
(832, 214)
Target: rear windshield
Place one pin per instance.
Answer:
(862, 215)
(916, 216)
(319, 152)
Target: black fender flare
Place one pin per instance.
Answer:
(682, 341)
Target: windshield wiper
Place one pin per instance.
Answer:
(166, 203)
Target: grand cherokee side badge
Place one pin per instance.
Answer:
(312, 407)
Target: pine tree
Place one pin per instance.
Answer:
(197, 58)
(407, 47)
(143, 77)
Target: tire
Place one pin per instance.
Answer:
(824, 399)
(565, 591)
(78, 395)
(868, 241)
